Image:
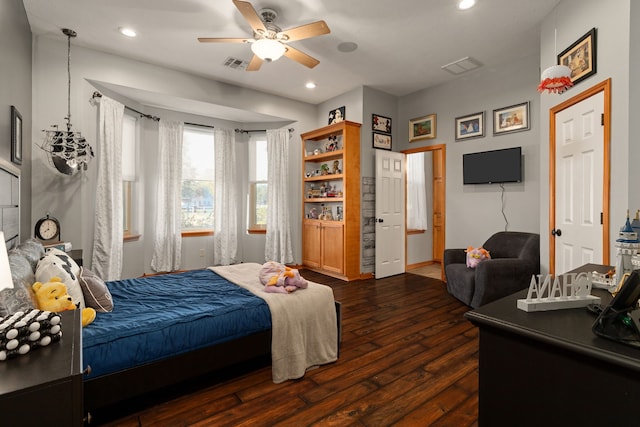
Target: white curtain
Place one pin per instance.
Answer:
(106, 259)
(167, 247)
(278, 238)
(225, 229)
(416, 193)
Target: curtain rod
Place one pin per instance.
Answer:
(257, 130)
(97, 94)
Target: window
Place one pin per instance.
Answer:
(197, 179)
(129, 172)
(258, 169)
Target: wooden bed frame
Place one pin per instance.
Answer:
(110, 389)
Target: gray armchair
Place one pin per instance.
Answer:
(515, 257)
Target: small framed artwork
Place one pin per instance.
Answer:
(16, 136)
(382, 141)
(471, 126)
(337, 115)
(380, 123)
(511, 119)
(422, 128)
(580, 57)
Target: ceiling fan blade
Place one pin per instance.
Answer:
(300, 57)
(255, 63)
(250, 14)
(221, 40)
(307, 31)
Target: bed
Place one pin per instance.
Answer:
(166, 329)
(180, 334)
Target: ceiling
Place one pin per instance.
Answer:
(402, 45)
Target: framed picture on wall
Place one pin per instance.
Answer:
(471, 126)
(422, 128)
(511, 119)
(16, 136)
(382, 141)
(380, 123)
(580, 57)
(337, 115)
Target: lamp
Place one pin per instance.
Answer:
(557, 78)
(268, 49)
(5, 270)
(68, 151)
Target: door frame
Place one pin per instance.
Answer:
(604, 86)
(436, 147)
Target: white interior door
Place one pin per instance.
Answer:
(579, 157)
(390, 217)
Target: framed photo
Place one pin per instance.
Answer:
(16, 136)
(382, 141)
(511, 119)
(471, 126)
(380, 123)
(422, 128)
(337, 115)
(580, 57)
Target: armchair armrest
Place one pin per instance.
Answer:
(454, 256)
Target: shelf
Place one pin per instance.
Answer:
(323, 199)
(324, 177)
(323, 157)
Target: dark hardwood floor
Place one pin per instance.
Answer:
(407, 358)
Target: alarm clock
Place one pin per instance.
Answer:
(48, 229)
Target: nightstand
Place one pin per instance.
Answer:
(44, 386)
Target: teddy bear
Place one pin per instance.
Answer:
(278, 278)
(53, 296)
(476, 255)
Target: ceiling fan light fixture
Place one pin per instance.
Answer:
(268, 50)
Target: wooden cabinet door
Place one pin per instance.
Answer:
(332, 246)
(311, 243)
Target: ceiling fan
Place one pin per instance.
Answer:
(269, 42)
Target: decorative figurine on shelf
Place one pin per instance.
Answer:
(317, 151)
(313, 213)
(325, 169)
(338, 213)
(336, 167)
(327, 213)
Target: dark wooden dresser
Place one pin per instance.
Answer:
(44, 386)
(549, 369)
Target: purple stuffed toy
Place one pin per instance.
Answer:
(279, 278)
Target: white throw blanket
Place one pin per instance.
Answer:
(304, 325)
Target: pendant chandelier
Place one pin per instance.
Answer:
(68, 151)
(557, 78)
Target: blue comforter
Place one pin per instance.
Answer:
(161, 316)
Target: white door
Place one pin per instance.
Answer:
(579, 137)
(390, 229)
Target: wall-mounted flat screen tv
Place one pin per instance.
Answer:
(489, 167)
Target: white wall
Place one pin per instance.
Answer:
(574, 18)
(473, 212)
(70, 199)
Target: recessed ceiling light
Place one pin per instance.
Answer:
(466, 4)
(310, 85)
(127, 32)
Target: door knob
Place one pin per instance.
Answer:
(379, 220)
(557, 232)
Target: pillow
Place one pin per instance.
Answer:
(32, 250)
(95, 291)
(476, 255)
(56, 263)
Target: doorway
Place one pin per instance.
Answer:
(431, 241)
(579, 179)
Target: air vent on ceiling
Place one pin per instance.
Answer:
(462, 65)
(235, 63)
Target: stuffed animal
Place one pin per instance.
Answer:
(476, 255)
(278, 278)
(53, 296)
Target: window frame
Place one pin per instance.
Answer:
(197, 232)
(252, 226)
